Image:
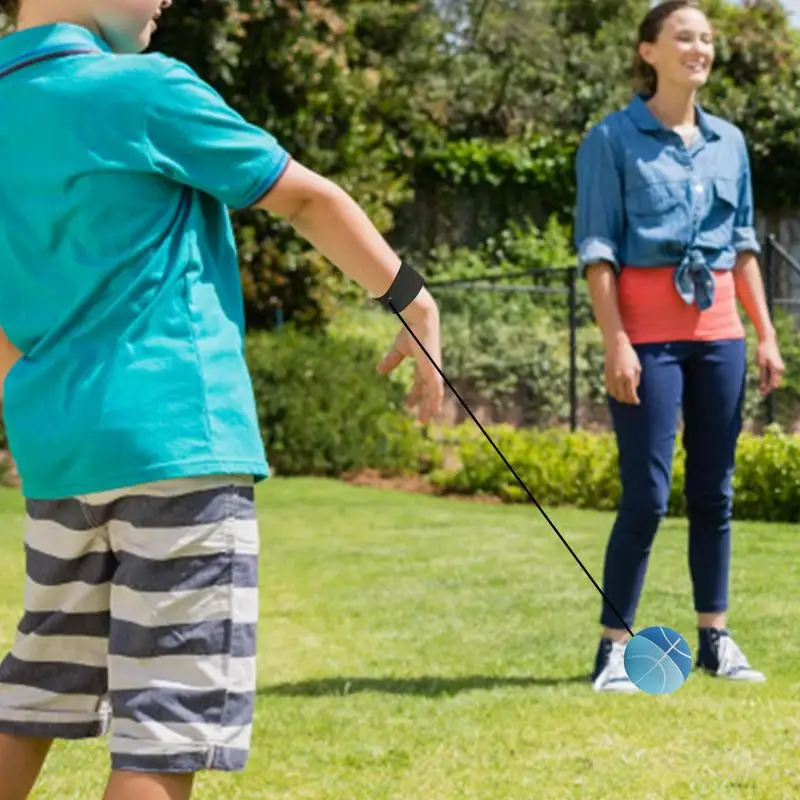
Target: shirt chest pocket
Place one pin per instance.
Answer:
(726, 193)
(720, 213)
(653, 200)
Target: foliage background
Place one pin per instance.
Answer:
(454, 123)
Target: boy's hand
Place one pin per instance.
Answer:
(330, 220)
(427, 391)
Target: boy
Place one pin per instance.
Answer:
(130, 413)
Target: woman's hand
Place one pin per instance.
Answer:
(770, 365)
(623, 371)
(622, 367)
(750, 292)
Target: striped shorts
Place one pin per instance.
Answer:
(140, 617)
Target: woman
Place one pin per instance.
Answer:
(664, 230)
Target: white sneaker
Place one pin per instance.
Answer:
(609, 673)
(720, 656)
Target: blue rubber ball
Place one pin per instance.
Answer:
(658, 660)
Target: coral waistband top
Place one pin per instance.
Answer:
(652, 311)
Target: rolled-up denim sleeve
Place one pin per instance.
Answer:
(744, 232)
(599, 218)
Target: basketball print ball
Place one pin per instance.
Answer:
(658, 660)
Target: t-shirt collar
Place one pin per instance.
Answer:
(48, 39)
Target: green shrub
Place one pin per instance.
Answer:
(787, 398)
(504, 365)
(510, 348)
(373, 328)
(521, 246)
(511, 357)
(507, 359)
(4, 465)
(581, 469)
(523, 366)
(767, 479)
(505, 341)
(324, 410)
(541, 253)
(507, 349)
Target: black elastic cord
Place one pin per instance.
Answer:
(407, 284)
(512, 470)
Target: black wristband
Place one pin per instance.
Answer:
(407, 284)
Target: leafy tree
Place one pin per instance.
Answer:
(756, 85)
(473, 106)
(299, 70)
(525, 79)
(522, 80)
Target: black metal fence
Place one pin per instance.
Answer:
(564, 285)
(553, 282)
(781, 272)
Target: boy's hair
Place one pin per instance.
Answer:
(10, 8)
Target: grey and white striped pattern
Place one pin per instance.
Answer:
(141, 608)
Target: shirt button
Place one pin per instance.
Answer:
(699, 188)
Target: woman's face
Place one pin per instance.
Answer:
(684, 50)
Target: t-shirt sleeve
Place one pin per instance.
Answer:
(192, 136)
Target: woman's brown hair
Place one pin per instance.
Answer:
(649, 30)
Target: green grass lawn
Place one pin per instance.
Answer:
(418, 648)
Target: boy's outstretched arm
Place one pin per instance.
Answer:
(191, 136)
(330, 220)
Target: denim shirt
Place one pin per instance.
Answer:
(645, 199)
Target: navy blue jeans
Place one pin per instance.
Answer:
(704, 380)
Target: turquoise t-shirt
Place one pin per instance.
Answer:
(119, 278)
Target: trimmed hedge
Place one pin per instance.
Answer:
(580, 469)
(324, 410)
